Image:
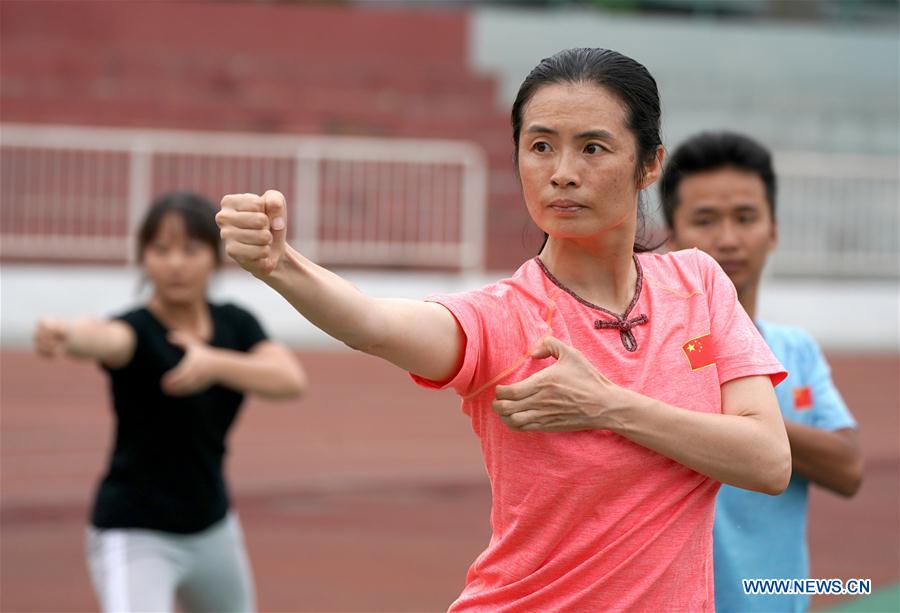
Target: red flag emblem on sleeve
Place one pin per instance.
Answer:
(803, 398)
(700, 352)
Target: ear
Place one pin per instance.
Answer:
(653, 169)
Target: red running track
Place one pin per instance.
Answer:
(369, 495)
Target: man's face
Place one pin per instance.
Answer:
(725, 213)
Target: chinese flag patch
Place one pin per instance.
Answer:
(699, 352)
(803, 398)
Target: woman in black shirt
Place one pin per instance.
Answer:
(178, 366)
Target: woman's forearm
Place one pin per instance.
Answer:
(273, 374)
(745, 445)
(739, 450)
(417, 336)
(110, 342)
(329, 302)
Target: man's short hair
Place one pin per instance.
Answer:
(710, 151)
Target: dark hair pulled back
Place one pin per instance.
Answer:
(624, 77)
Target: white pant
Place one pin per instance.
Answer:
(137, 570)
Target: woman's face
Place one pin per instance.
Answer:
(578, 160)
(179, 266)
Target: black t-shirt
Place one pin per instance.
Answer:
(165, 472)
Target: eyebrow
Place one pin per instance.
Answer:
(740, 208)
(538, 129)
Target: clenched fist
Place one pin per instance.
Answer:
(253, 229)
(50, 337)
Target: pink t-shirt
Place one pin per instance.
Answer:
(590, 521)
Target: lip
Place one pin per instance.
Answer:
(732, 265)
(566, 206)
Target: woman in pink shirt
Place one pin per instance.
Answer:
(612, 389)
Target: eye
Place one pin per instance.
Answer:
(747, 218)
(192, 248)
(540, 147)
(703, 221)
(593, 148)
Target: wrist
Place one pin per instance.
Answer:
(288, 265)
(73, 333)
(620, 409)
(212, 367)
(65, 333)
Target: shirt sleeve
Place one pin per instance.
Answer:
(248, 330)
(138, 324)
(741, 350)
(492, 335)
(829, 411)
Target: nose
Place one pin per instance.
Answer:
(566, 173)
(728, 236)
(175, 259)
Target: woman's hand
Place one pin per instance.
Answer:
(51, 337)
(253, 229)
(570, 395)
(195, 372)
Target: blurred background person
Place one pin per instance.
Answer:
(718, 194)
(179, 367)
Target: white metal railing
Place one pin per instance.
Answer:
(78, 193)
(837, 215)
(75, 193)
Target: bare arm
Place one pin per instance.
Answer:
(832, 460)
(109, 342)
(423, 338)
(268, 369)
(746, 446)
(829, 458)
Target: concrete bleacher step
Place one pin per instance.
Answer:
(52, 58)
(383, 34)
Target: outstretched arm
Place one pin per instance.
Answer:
(109, 342)
(421, 337)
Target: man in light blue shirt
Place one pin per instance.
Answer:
(718, 194)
